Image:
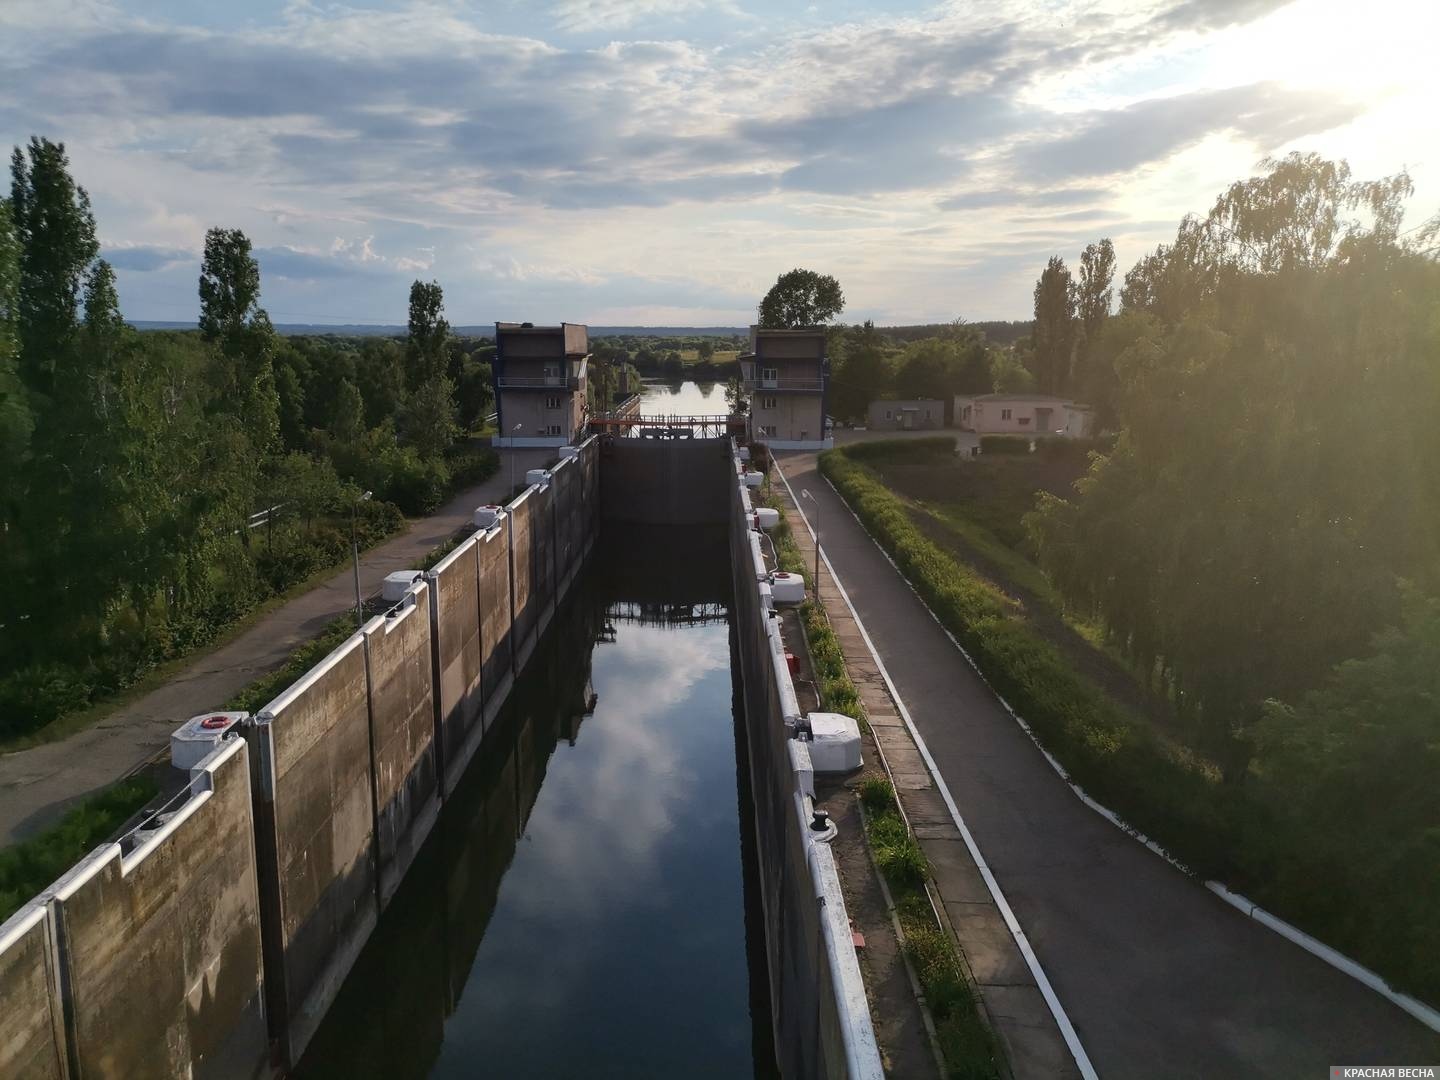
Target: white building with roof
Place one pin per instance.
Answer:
(1038, 415)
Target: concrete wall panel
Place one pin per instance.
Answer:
(161, 946)
(497, 660)
(317, 818)
(31, 1027)
(455, 634)
(542, 561)
(402, 719)
(565, 482)
(524, 605)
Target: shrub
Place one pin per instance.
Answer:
(34, 696)
(902, 449)
(1005, 444)
(417, 485)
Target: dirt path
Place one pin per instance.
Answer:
(38, 784)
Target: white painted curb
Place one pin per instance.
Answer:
(1062, 1020)
(1426, 1014)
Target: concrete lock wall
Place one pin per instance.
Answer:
(666, 482)
(524, 605)
(160, 946)
(497, 637)
(542, 561)
(402, 734)
(458, 657)
(820, 1015)
(315, 809)
(32, 1039)
(565, 482)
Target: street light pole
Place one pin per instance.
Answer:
(805, 493)
(355, 556)
(516, 428)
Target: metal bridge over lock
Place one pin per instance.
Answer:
(664, 426)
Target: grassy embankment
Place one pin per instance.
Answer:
(968, 1049)
(1226, 832)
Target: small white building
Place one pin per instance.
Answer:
(1038, 415)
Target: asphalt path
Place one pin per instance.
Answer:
(1160, 977)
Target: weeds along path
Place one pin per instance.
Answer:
(38, 784)
(1159, 977)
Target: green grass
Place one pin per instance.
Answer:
(31, 865)
(837, 693)
(969, 1049)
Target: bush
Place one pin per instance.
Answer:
(1006, 444)
(34, 696)
(471, 464)
(902, 449)
(415, 484)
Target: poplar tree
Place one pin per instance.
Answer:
(1054, 334)
(427, 349)
(55, 229)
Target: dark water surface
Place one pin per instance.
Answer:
(581, 908)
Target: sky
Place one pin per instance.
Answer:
(660, 162)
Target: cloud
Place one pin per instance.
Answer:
(580, 15)
(1214, 14)
(294, 264)
(1264, 114)
(992, 197)
(146, 257)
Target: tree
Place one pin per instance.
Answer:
(1093, 296)
(348, 424)
(801, 298)
(1009, 374)
(55, 229)
(16, 420)
(428, 419)
(229, 287)
(705, 350)
(427, 346)
(862, 373)
(1054, 334)
(102, 304)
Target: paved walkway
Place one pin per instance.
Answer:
(1014, 1005)
(38, 784)
(1159, 977)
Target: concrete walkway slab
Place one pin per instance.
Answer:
(38, 785)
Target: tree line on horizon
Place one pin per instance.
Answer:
(155, 486)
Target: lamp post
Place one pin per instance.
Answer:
(805, 494)
(516, 428)
(355, 555)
